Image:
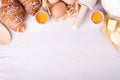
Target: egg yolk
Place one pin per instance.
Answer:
(96, 17)
(42, 17)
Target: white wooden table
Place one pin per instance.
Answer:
(55, 52)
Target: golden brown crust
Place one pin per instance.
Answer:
(31, 6)
(13, 15)
(5, 2)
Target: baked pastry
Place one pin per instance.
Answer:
(5, 2)
(13, 16)
(31, 6)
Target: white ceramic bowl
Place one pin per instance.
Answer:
(112, 7)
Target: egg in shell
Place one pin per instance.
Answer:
(53, 1)
(69, 1)
(59, 10)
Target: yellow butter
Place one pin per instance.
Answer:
(111, 24)
(115, 37)
(118, 29)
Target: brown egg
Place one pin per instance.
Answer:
(69, 1)
(59, 10)
(53, 1)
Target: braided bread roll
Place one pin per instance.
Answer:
(13, 16)
(31, 6)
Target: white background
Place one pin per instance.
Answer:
(55, 51)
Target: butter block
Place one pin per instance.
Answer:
(118, 29)
(115, 37)
(111, 24)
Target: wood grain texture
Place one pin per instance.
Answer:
(55, 52)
